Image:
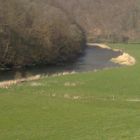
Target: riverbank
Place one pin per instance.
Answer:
(94, 59)
(123, 59)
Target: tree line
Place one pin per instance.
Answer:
(36, 32)
(106, 20)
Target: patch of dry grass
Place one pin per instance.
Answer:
(124, 59)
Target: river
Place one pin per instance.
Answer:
(94, 58)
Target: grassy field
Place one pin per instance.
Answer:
(103, 105)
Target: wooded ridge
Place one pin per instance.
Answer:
(36, 32)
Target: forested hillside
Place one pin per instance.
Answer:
(54, 31)
(105, 20)
(34, 32)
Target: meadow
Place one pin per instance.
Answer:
(102, 105)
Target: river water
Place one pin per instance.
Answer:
(94, 58)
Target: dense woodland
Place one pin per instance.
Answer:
(36, 32)
(105, 20)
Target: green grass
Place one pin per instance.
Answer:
(105, 109)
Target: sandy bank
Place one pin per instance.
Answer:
(98, 45)
(124, 59)
(6, 84)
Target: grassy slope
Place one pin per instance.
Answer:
(30, 112)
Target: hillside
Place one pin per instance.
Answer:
(109, 20)
(34, 33)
